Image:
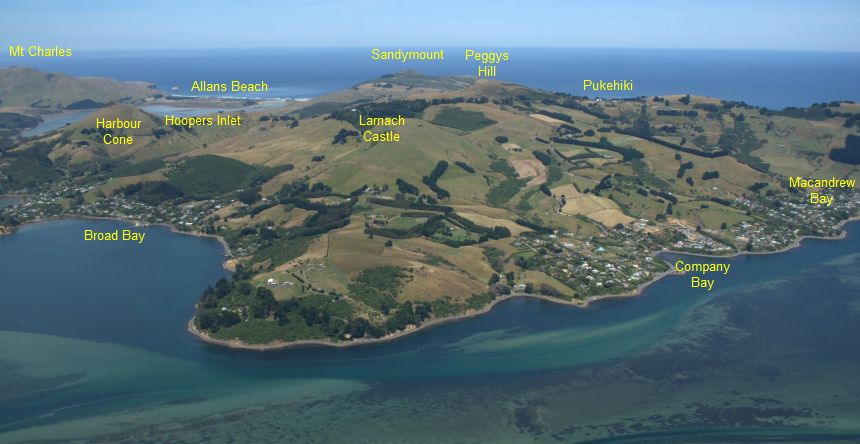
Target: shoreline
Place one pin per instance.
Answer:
(793, 245)
(237, 344)
(227, 253)
(280, 345)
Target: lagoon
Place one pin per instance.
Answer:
(51, 122)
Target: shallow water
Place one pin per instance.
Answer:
(51, 122)
(181, 111)
(93, 344)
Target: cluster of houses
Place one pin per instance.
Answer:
(792, 218)
(618, 262)
(62, 199)
(621, 259)
(698, 242)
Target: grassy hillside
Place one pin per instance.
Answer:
(35, 90)
(493, 188)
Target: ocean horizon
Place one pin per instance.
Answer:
(773, 79)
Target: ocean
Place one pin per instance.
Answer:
(94, 346)
(764, 78)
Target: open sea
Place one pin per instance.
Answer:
(765, 78)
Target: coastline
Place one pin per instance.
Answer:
(227, 252)
(789, 247)
(281, 345)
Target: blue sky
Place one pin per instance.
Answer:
(822, 25)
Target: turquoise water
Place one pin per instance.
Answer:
(92, 345)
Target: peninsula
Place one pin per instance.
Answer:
(489, 190)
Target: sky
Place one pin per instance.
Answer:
(821, 25)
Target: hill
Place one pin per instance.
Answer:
(412, 80)
(36, 91)
(492, 188)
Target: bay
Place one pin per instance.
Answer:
(93, 343)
